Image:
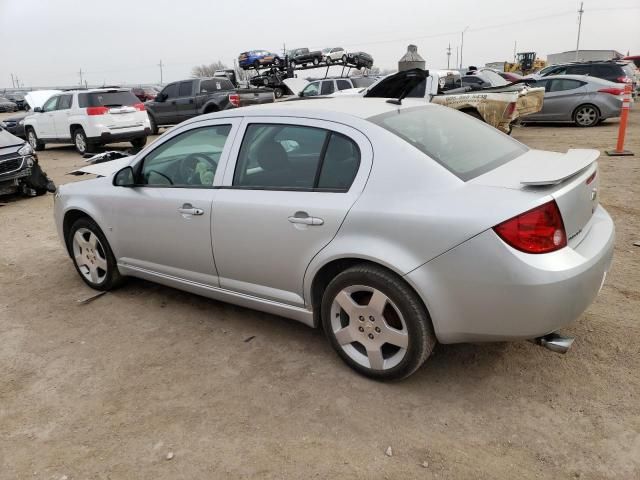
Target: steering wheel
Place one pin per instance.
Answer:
(187, 168)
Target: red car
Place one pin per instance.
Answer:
(510, 76)
(145, 93)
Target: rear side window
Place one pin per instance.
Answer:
(461, 144)
(605, 71)
(562, 84)
(295, 157)
(327, 87)
(343, 84)
(107, 99)
(210, 86)
(185, 89)
(579, 69)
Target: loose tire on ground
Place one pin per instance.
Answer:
(388, 333)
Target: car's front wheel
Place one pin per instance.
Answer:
(138, 143)
(33, 140)
(376, 323)
(92, 255)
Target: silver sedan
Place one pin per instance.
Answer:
(391, 227)
(580, 99)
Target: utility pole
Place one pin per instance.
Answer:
(448, 55)
(580, 12)
(160, 65)
(457, 55)
(80, 72)
(515, 47)
(462, 45)
(13, 81)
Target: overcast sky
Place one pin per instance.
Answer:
(117, 41)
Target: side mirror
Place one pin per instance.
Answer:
(124, 178)
(301, 94)
(37, 110)
(160, 97)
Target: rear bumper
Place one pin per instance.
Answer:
(484, 290)
(110, 137)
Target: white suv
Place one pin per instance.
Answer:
(88, 119)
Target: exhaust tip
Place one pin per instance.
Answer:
(555, 342)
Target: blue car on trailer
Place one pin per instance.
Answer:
(257, 59)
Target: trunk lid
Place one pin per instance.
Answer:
(570, 178)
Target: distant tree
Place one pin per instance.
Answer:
(207, 70)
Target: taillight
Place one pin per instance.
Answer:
(612, 90)
(97, 110)
(540, 230)
(139, 106)
(591, 178)
(234, 99)
(510, 109)
(623, 79)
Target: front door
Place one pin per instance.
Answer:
(163, 223)
(46, 119)
(165, 112)
(61, 117)
(284, 200)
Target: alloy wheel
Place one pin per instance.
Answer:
(369, 327)
(90, 255)
(586, 116)
(33, 141)
(81, 143)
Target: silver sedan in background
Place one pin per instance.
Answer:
(391, 226)
(580, 99)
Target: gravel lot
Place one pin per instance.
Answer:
(109, 389)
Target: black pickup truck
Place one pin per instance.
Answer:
(302, 56)
(186, 99)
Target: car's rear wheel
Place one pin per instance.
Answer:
(33, 140)
(138, 143)
(316, 60)
(256, 64)
(344, 58)
(278, 92)
(92, 255)
(276, 61)
(328, 60)
(376, 323)
(586, 116)
(81, 142)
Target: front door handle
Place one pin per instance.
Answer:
(188, 209)
(305, 219)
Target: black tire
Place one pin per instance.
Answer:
(278, 92)
(139, 142)
(153, 125)
(474, 114)
(256, 64)
(276, 61)
(421, 338)
(37, 144)
(328, 60)
(586, 115)
(345, 58)
(112, 277)
(316, 61)
(81, 142)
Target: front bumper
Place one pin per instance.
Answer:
(484, 290)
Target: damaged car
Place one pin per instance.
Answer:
(500, 107)
(19, 168)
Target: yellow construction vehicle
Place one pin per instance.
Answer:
(527, 62)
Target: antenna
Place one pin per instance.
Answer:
(160, 65)
(448, 54)
(580, 12)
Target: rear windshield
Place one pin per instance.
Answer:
(107, 99)
(461, 144)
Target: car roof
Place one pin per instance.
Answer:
(339, 109)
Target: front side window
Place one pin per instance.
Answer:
(295, 157)
(463, 146)
(50, 105)
(327, 87)
(171, 91)
(188, 160)
(311, 90)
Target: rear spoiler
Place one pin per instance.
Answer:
(552, 170)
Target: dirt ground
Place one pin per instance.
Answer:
(107, 389)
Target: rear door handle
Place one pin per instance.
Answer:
(188, 209)
(305, 219)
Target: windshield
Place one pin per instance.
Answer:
(493, 78)
(461, 144)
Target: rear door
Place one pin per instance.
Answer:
(283, 200)
(561, 98)
(184, 102)
(327, 87)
